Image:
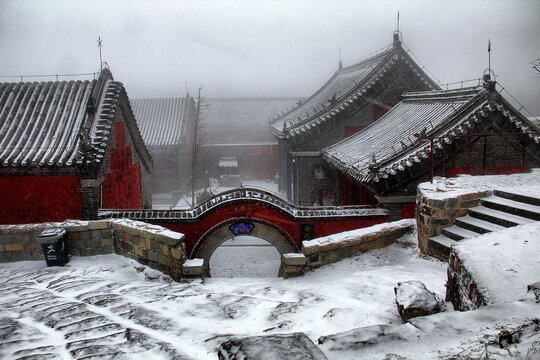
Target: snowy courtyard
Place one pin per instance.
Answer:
(109, 305)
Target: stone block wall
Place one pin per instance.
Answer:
(151, 245)
(319, 252)
(461, 289)
(83, 238)
(433, 215)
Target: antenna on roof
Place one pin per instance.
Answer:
(100, 45)
(340, 64)
(397, 28)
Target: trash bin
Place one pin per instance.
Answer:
(53, 246)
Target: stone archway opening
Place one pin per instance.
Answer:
(245, 256)
(242, 230)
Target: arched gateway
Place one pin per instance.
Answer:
(255, 212)
(224, 231)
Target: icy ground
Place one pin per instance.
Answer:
(245, 256)
(106, 304)
(109, 306)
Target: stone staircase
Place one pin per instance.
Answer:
(499, 211)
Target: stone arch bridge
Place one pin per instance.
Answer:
(254, 212)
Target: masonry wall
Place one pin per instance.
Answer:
(163, 251)
(83, 238)
(433, 215)
(461, 289)
(148, 244)
(322, 251)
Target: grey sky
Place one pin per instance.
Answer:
(265, 48)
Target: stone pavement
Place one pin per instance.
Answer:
(55, 314)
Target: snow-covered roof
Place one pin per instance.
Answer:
(344, 88)
(242, 112)
(162, 120)
(228, 162)
(401, 137)
(61, 123)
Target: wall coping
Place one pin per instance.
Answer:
(353, 237)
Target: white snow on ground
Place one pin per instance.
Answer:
(505, 262)
(195, 316)
(444, 188)
(245, 256)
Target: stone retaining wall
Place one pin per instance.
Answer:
(83, 238)
(433, 215)
(461, 288)
(330, 249)
(152, 245)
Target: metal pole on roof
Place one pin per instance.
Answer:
(100, 45)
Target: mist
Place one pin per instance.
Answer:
(265, 48)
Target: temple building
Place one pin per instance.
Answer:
(471, 130)
(234, 142)
(352, 99)
(167, 127)
(236, 138)
(68, 149)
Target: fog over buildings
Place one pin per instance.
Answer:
(265, 48)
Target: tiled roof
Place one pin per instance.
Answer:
(60, 123)
(400, 138)
(243, 112)
(162, 120)
(343, 89)
(40, 122)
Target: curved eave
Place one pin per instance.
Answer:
(356, 95)
(422, 152)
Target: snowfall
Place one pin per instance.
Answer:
(113, 307)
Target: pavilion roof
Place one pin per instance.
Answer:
(401, 137)
(344, 88)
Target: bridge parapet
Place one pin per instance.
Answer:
(249, 195)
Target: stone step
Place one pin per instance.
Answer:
(497, 217)
(512, 207)
(477, 225)
(456, 233)
(518, 197)
(441, 245)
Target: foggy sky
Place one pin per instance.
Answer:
(265, 48)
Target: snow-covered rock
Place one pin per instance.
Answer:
(295, 346)
(357, 339)
(414, 299)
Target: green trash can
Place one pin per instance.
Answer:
(54, 247)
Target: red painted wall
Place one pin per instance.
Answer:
(407, 211)
(35, 199)
(194, 231)
(500, 170)
(122, 185)
(353, 193)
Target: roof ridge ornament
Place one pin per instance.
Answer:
(397, 34)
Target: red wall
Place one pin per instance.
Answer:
(194, 231)
(499, 170)
(35, 199)
(122, 185)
